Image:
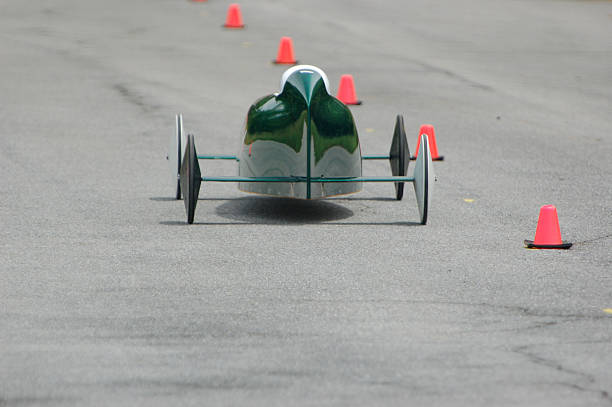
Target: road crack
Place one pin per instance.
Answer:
(528, 352)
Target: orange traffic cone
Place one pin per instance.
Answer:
(346, 91)
(198, 1)
(285, 52)
(433, 147)
(548, 234)
(234, 17)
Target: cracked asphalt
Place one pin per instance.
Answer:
(108, 298)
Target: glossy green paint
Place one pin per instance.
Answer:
(301, 132)
(332, 123)
(278, 118)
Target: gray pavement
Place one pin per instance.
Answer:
(108, 298)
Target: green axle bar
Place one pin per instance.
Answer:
(218, 157)
(376, 157)
(233, 157)
(305, 179)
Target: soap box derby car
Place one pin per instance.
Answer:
(301, 143)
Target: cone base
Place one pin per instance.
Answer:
(438, 158)
(531, 245)
(277, 62)
(353, 103)
(237, 27)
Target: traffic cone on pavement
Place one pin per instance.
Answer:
(285, 52)
(234, 17)
(548, 233)
(433, 147)
(346, 91)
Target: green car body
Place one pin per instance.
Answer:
(301, 143)
(302, 132)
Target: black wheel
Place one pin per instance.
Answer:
(399, 155)
(191, 178)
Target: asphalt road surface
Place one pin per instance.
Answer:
(107, 297)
